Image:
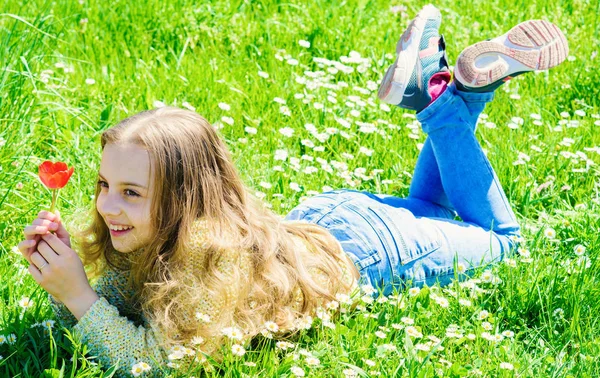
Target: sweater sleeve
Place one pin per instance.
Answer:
(112, 285)
(116, 339)
(62, 313)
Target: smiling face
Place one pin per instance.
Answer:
(125, 195)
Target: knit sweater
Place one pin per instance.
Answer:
(114, 331)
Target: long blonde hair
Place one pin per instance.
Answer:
(194, 178)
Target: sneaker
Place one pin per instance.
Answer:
(530, 46)
(420, 54)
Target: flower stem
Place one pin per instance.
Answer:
(54, 197)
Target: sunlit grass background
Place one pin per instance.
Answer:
(262, 71)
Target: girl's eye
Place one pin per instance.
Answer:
(128, 192)
(131, 193)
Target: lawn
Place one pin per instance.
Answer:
(291, 87)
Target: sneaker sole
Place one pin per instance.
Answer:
(398, 74)
(529, 46)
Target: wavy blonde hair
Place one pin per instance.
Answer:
(194, 177)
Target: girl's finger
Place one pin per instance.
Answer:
(44, 214)
(45, 222)
(25, 245)
(47, 252)
(31, 231)
(38, 260)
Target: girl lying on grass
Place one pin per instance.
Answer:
(186, 257)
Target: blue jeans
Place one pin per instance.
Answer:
(395, 241)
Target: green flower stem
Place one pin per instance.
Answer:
(54, 197)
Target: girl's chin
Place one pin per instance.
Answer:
(121, 247)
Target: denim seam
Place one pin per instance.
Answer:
(333, 208)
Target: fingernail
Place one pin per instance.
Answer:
(52, 224)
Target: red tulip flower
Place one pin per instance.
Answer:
(54, 176)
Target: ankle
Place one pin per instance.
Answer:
(438, 84)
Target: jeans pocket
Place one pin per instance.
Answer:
(354, 244)
(415, 237)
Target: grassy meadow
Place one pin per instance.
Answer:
(292, 86)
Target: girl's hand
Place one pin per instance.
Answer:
(43, 224)
(62, 273)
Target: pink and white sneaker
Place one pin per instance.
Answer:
(420, 54)
(530, 46)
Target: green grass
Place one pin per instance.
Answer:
(204, 53)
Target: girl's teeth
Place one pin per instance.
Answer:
(119, 228)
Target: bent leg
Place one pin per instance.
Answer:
(467, 176)
(426, 183)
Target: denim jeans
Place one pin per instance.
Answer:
(416, 240)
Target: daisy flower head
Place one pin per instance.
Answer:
(441, 301)
(286, 131)
(284, 345)
(423, 347)
(176, 355)
(511, 263)
(197, 340)
(550, 233)
(487, 276)
(579, 250)
(48, 324)
(224, 106)
(524, 252)
(506, 366)
(271, 326)
(265, 332)
(137, 370)
(312, 361)
(297, 371)
(413, 332)
(389, 347)
(414, 291)
(238, 350)
(483, 314)
(232, 333)
(227, 120)
(465, 302)
(304, 43)
(11, 339)
(368, 362)
(26, 303)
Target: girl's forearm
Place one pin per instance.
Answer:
(80, 304)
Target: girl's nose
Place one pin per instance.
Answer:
(108, 206)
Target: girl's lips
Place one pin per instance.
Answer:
(120, 233)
